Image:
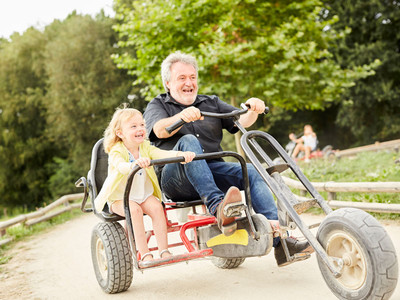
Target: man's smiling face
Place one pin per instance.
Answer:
(183, 83)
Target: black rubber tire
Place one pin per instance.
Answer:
(330, 155)
(327, 148)
(111, 257)
(227, 263)
(370, 264)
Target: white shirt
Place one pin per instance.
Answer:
(310, 141)
(141, 188)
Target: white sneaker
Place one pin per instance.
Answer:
(307, 160)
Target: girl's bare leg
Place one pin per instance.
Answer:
(152, 206)
(299, 147)
(307, 151)
(138, 225)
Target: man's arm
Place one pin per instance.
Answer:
(189, 114)
(159, 127)
(257, 107)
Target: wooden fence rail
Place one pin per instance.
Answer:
(42, 214)
(352, 187)
(378, 146)
(331, 188)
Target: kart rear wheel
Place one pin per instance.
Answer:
(370, 267)
(227, 263)
(327, 149)
(111, 257)
(330, 155)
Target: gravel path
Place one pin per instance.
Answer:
(57, 265)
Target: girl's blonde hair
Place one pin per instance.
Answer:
(121, 115)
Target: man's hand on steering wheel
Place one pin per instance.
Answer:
(191, 114)
(256, 105)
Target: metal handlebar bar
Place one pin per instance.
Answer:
(233, 114)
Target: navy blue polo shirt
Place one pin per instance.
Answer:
(208, 131)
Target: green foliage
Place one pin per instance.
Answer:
(23, 147)
(84, 86)
(4, 258)
(272, 50)
(58, 90)
(64, 174)
(370, 109)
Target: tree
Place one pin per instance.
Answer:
(369, 110)
(272, 50)
(58, 90)
(84, 88)
(24, 149)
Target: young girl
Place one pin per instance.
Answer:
(307, 143)
(126, 145)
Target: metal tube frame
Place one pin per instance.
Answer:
(185, 240)
(278, 187)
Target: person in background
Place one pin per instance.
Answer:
(126, 145)
(307, 143)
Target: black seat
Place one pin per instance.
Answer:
(97, 175)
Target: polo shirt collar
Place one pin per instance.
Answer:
(169, 98)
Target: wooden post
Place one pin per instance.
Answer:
(331, 196)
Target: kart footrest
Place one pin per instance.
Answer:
(304, 205)
(300, 256)
(305, 254)
(277, 168)
(175, 258)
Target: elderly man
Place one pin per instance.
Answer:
(216, 182)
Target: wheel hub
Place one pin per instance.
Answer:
(101, 259)
(343, 247)
(349, 259)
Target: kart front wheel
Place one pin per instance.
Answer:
(363, 252)
(111, 257)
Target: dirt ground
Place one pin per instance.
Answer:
(57, 265)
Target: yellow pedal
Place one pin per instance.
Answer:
(240, 237)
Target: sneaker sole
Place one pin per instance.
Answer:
(233, 210)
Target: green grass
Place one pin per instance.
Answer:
(364, 167)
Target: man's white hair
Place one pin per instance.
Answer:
(174, 58)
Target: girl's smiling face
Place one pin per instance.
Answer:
(133, 131)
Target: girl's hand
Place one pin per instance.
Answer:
(142, 162)
(188, 155)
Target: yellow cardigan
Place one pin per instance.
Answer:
(119, 168)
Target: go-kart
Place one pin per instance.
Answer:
(355, 255)
(326, 152)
